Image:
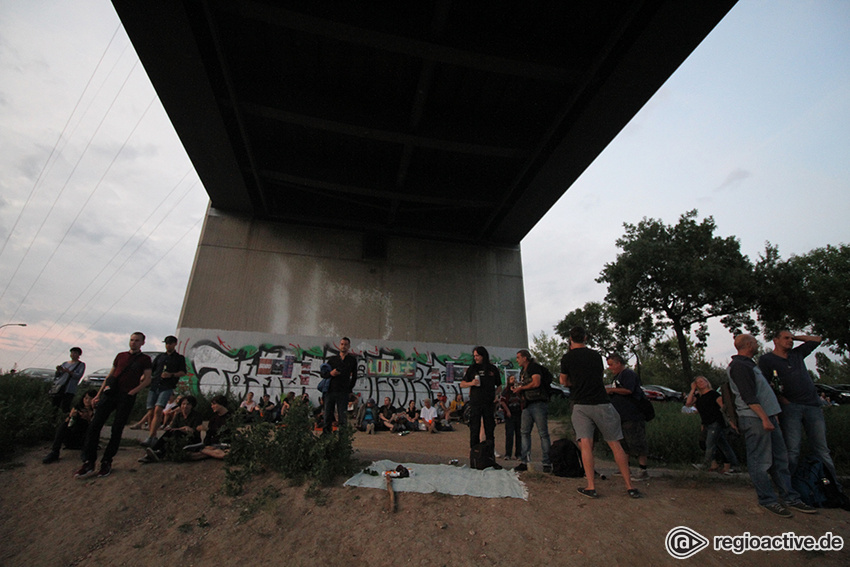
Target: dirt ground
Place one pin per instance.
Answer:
(176, 514)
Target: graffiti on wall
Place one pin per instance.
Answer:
(279, 369)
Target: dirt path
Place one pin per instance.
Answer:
(175, 514)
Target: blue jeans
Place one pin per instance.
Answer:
(715, 438)
(794, 418)
(536, 413)
(767, 459)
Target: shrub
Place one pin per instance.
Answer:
(26, 414)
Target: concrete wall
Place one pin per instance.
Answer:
(257, 283)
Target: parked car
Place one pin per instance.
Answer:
(669, 393)
(834, 393)
(559, 391)
(653, 395)
(97, 377)
(45, 374)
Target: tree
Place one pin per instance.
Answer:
(680, 276)
(831, 371)
(662, 365)
(605, 334)
(807, 292)
(548, 351)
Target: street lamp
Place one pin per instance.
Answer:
(13, 325)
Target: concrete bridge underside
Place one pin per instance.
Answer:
(373, 166)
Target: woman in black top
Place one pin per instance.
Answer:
(709, 404)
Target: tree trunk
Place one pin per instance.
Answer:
(683, 351)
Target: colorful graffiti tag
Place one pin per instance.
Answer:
(279, 369)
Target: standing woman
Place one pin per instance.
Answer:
(709, 405)
(485, 383)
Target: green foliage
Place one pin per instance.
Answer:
(548, 351)
(831, 371)
(607, 335)
(679, 276)
(26, 415)
(259, 502)
(291, 449)
(807, 292)
(662, 365)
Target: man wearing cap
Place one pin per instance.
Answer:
(68, 375)
(168, 368)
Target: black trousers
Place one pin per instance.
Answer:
(122, 405)
(477, 414)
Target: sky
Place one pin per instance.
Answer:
(101, 210)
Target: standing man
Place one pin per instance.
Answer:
(485, 384)
(343, 377)
(581, 370)
(625, 393)
(130, 373)
(535, 410)
(168, 368)
(70, 373)
(757, 409)
(801, 405)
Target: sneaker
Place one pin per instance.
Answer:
(51, 457)
(149, 442)
(137, 426)
(105, 470)
(642, 474)
(547, 468)
(801, 506)
(521, 467)
(144, 459)
(85, 471)
(698, 466)
(635, 493)
(587, 492)
(152, 455)
(731, 472)
(777, 509)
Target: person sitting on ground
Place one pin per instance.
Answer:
(215, 445)
(367, 416)
(171, 409)
(386, 413)
(709, 404)
(266, 407)
(455, 411)
(442, 406)
(183, 430)
(353, 405)
(428, 416)
(248, 404)
(72, 430)
(407, 420)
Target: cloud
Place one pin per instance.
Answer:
(734, 178)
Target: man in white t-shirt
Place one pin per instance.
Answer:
(428, 416)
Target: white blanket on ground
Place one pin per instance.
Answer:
(447, 479)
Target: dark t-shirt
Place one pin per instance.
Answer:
(797, 384)
(709, 411)
(129, 369)
(490, 378)
(165, 362)
(626, 405)
(193, 420)
(583, 366)
(216, 430)
(344, 383)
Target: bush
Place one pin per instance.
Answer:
(290, 448)
(26, 415)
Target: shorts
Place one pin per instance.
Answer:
(634, 438)
(158, 398)
(587, 418)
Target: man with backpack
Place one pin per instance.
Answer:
(535, 408)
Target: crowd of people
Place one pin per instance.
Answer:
(771, 401)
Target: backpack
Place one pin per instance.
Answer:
(808, 481)
(566, 459)
(645, 408)
(482, 456)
